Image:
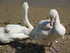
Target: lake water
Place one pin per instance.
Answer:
(49, 3)
(39, 3)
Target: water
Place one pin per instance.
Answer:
(38, 3)
(48, 3)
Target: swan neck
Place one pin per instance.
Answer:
(57, 20)
(25, 20)
(25, 14)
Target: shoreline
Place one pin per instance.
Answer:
(12, 13)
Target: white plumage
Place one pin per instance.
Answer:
(15, 28)
(45, 36)
(9, 37)
(37, 33)
(14, 31)
(44, 24)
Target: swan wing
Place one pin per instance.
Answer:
(14, 28)
(18, 36)
(60, 29)
(44, 24)
(9, 37)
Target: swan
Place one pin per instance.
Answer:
(46, 36)
(11, 32)
(12, 27)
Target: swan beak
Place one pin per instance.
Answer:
(51, 21)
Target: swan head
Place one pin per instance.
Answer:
(25, 5)
(53, 13)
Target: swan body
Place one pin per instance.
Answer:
(8, 37)
(12, 32)
(44, 24)
(12, 28)
(45, 36)
(15, 28)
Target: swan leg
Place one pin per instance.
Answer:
(52, 48)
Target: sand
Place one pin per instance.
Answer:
(11, 13)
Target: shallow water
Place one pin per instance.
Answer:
(39, 3)
(48, 3)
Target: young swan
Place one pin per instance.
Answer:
(46, 36)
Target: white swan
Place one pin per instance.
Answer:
(46, 36)
(58, 29)
(14, 31)
(12, 27)
(45, 24)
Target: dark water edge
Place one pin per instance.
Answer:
(39, 3)
(48, 3)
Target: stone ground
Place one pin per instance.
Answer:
(11, 13)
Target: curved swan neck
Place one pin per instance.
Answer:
(57, 20)
(25, 15)
(25, 19)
